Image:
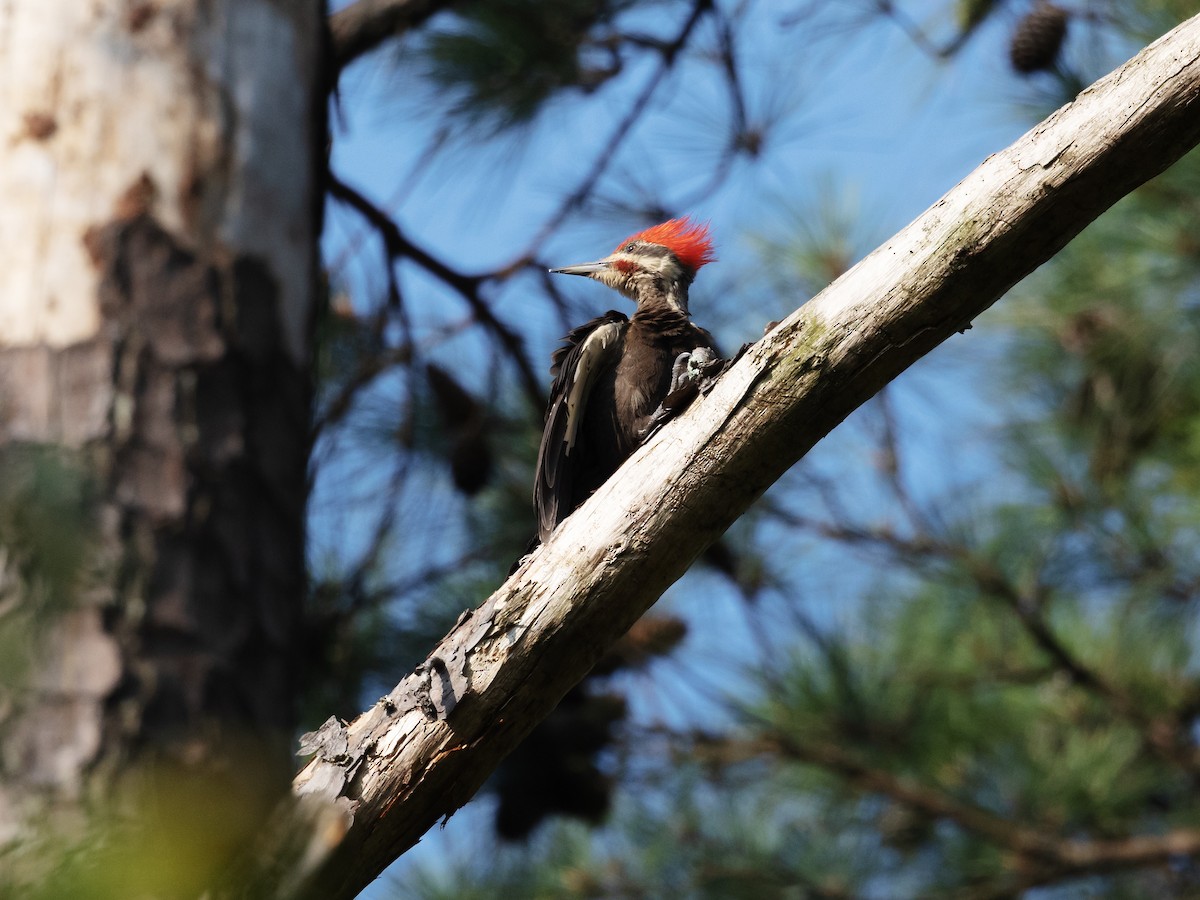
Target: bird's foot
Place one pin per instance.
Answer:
(694, 368)
(692, 374)
(657, 420)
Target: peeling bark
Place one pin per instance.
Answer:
(158, 163)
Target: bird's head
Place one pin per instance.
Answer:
(655, 265)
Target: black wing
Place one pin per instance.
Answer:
(588, 351)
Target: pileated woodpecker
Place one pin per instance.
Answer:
(616, 377)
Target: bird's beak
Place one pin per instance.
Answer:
(583, 268)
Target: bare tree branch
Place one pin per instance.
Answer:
(399, 246)
(424, 749)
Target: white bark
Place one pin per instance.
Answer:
(422, 751)
(158, 232)
(94, 96)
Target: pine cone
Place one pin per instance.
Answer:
(650, 637)
(463, 417)
(1038, 38)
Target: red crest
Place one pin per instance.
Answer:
(689, 241)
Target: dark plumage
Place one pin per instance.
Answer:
(613, 373)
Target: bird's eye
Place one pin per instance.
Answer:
(628, 248)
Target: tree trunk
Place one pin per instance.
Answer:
(424, 750)
(158, 229)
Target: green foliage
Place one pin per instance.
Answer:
(953, 692)
(163, 830)
(1044, 674)
(1110, 351)
(46, 523)
(502, 60)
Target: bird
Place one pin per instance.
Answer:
(617, 378)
